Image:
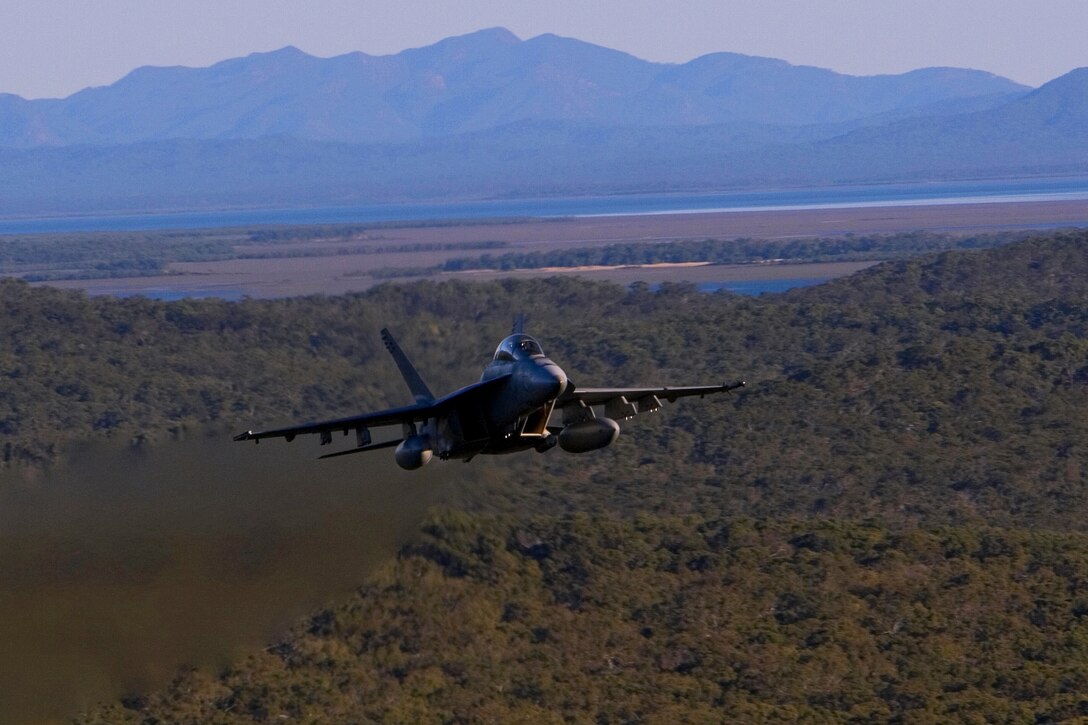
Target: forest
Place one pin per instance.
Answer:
(887, 524)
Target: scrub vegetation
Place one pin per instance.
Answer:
(740, 251)
(46, 257)
(888, 523)
(107, 255)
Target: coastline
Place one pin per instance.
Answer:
(344, 273)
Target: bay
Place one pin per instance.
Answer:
(945, 192)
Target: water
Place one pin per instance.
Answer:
(759, 286)
(951, 192)
(173, 295)
(746, 287)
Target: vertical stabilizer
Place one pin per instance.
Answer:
(419, 388)
(519, 324)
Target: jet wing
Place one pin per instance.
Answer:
(392, 416)
(622, 403)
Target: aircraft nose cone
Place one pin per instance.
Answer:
(551, 378)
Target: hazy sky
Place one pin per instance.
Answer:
(51, 48)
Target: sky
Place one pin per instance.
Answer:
(52, 48)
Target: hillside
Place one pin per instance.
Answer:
(666, 620)
(888, 522)
(948, 383)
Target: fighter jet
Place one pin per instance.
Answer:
(523, 401)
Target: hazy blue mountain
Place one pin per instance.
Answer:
(1044, 131)
(725, 87)
(470, 83)
(489, 115)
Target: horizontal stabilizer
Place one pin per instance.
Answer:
(363, 449)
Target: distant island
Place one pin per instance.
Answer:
(489, 115)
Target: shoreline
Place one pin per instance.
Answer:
(497, 209)
(344, 273)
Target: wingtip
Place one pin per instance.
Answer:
(244, 436)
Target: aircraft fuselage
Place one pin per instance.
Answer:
(513, 416)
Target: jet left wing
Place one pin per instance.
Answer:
(622, 403)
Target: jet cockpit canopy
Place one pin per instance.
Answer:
(518, 347)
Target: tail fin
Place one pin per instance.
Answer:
(419, 388)
(519, 324)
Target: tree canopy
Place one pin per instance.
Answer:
(887, 523)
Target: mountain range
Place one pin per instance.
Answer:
(488, 114)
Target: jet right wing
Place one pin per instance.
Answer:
(392, 416)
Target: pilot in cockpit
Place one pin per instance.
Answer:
(518, 347)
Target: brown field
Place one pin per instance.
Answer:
(341, 273)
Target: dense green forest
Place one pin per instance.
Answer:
(888, 522)
(669, 620)
(960, 373)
